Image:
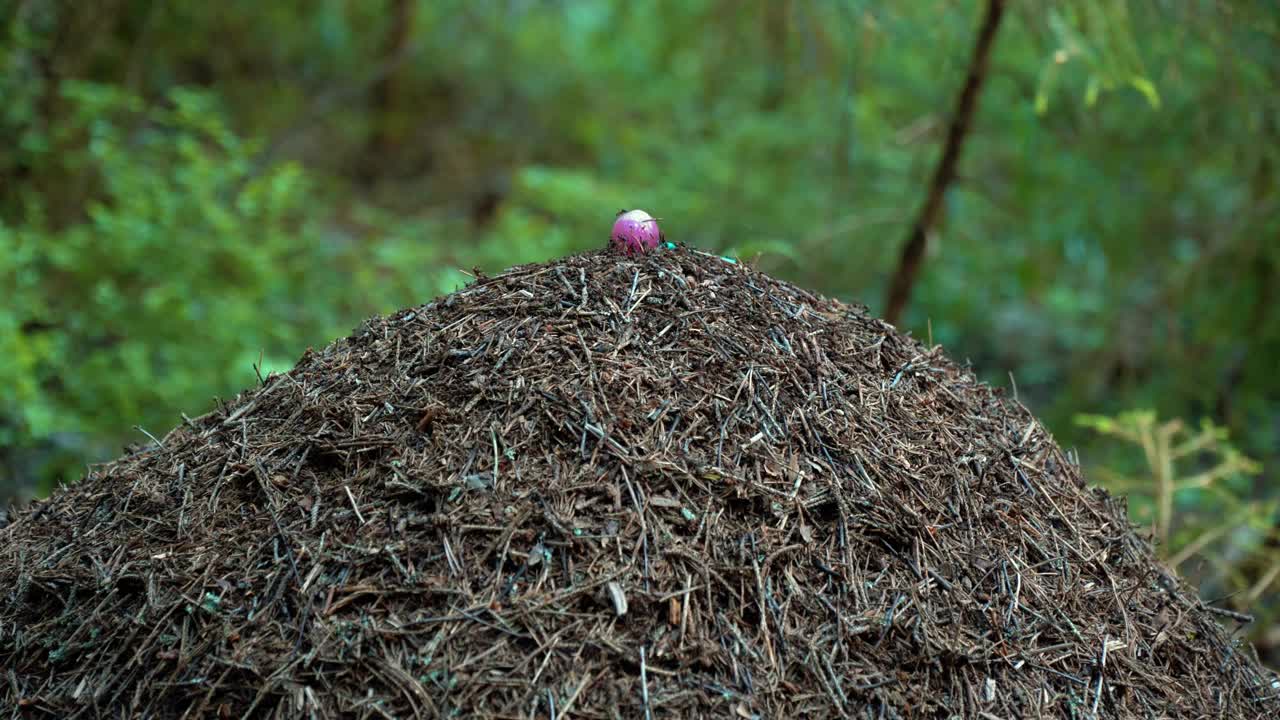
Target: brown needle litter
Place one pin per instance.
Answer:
(666, 485)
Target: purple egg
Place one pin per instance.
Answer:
(635, 232)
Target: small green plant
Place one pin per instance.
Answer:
(1196, 491)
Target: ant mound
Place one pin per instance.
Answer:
(608, 487)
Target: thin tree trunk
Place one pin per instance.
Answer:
(385, 107)
(774, 21)
(913, 251)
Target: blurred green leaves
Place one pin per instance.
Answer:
(188, 264)
(1097, 34)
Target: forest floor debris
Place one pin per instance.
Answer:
(664, 486)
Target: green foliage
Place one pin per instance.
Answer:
(189, 266)
(1198, 492)
(1220, 473)
(1099, 34)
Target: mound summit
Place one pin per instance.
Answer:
(605, 487)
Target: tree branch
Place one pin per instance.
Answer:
(913, 251)
(386, 90)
